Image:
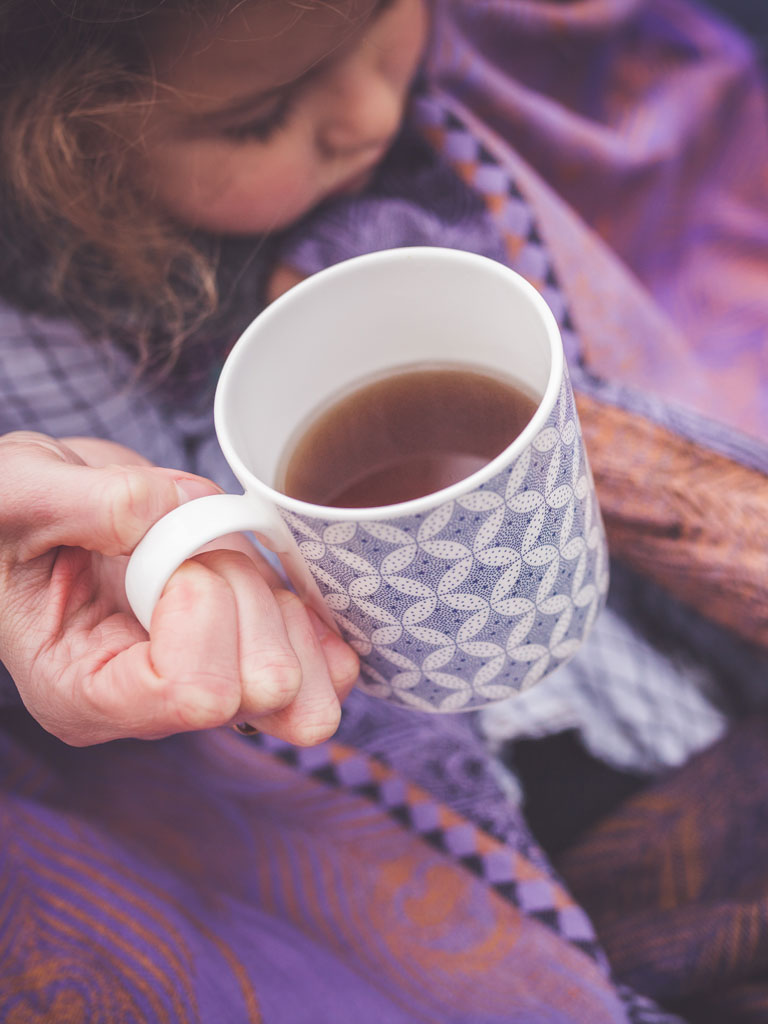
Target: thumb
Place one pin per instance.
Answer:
(52, 503)
(122, 503)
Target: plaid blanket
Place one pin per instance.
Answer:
(615, 154)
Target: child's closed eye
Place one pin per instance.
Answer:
(263, 127)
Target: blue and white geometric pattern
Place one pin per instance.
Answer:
(480, 597)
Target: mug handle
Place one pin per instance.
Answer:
(182, 532)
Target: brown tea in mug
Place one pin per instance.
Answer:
(403, 436)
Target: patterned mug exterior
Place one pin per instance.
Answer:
(480, 597)
(453, 600)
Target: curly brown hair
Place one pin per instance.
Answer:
(67, 206)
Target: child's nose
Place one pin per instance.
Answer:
(361, 108)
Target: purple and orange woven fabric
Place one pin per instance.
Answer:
(615, 152)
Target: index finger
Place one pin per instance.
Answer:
(49, 498)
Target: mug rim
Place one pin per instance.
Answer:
(428, 502)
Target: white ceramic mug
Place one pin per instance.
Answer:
(452, 600)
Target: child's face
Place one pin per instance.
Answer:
(280, 108)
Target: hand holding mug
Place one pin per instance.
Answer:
(228, 641)
(453, 598)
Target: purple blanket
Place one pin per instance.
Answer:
(616, 153)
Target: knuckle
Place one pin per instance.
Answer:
(23, 498)
(288, 602)
(273, 680)
(193, 700)
(20, 440)
(296, 619)
(194, 589)
(221, 559)
(207, 708)
(127, 498)
(19, 446)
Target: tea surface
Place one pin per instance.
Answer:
(403, 436)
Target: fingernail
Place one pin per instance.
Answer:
(189, 489)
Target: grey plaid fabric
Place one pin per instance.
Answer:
(54, 380)
(636, 708)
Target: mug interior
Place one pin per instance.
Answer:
(367, 317)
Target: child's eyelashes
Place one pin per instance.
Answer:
(382, 6)
(262, 128)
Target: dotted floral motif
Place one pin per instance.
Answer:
(481, 597)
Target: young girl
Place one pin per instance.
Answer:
(126, 127)
(165, 169)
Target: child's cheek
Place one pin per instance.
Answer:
(236, 190)
(273, 193)
(241, 195)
